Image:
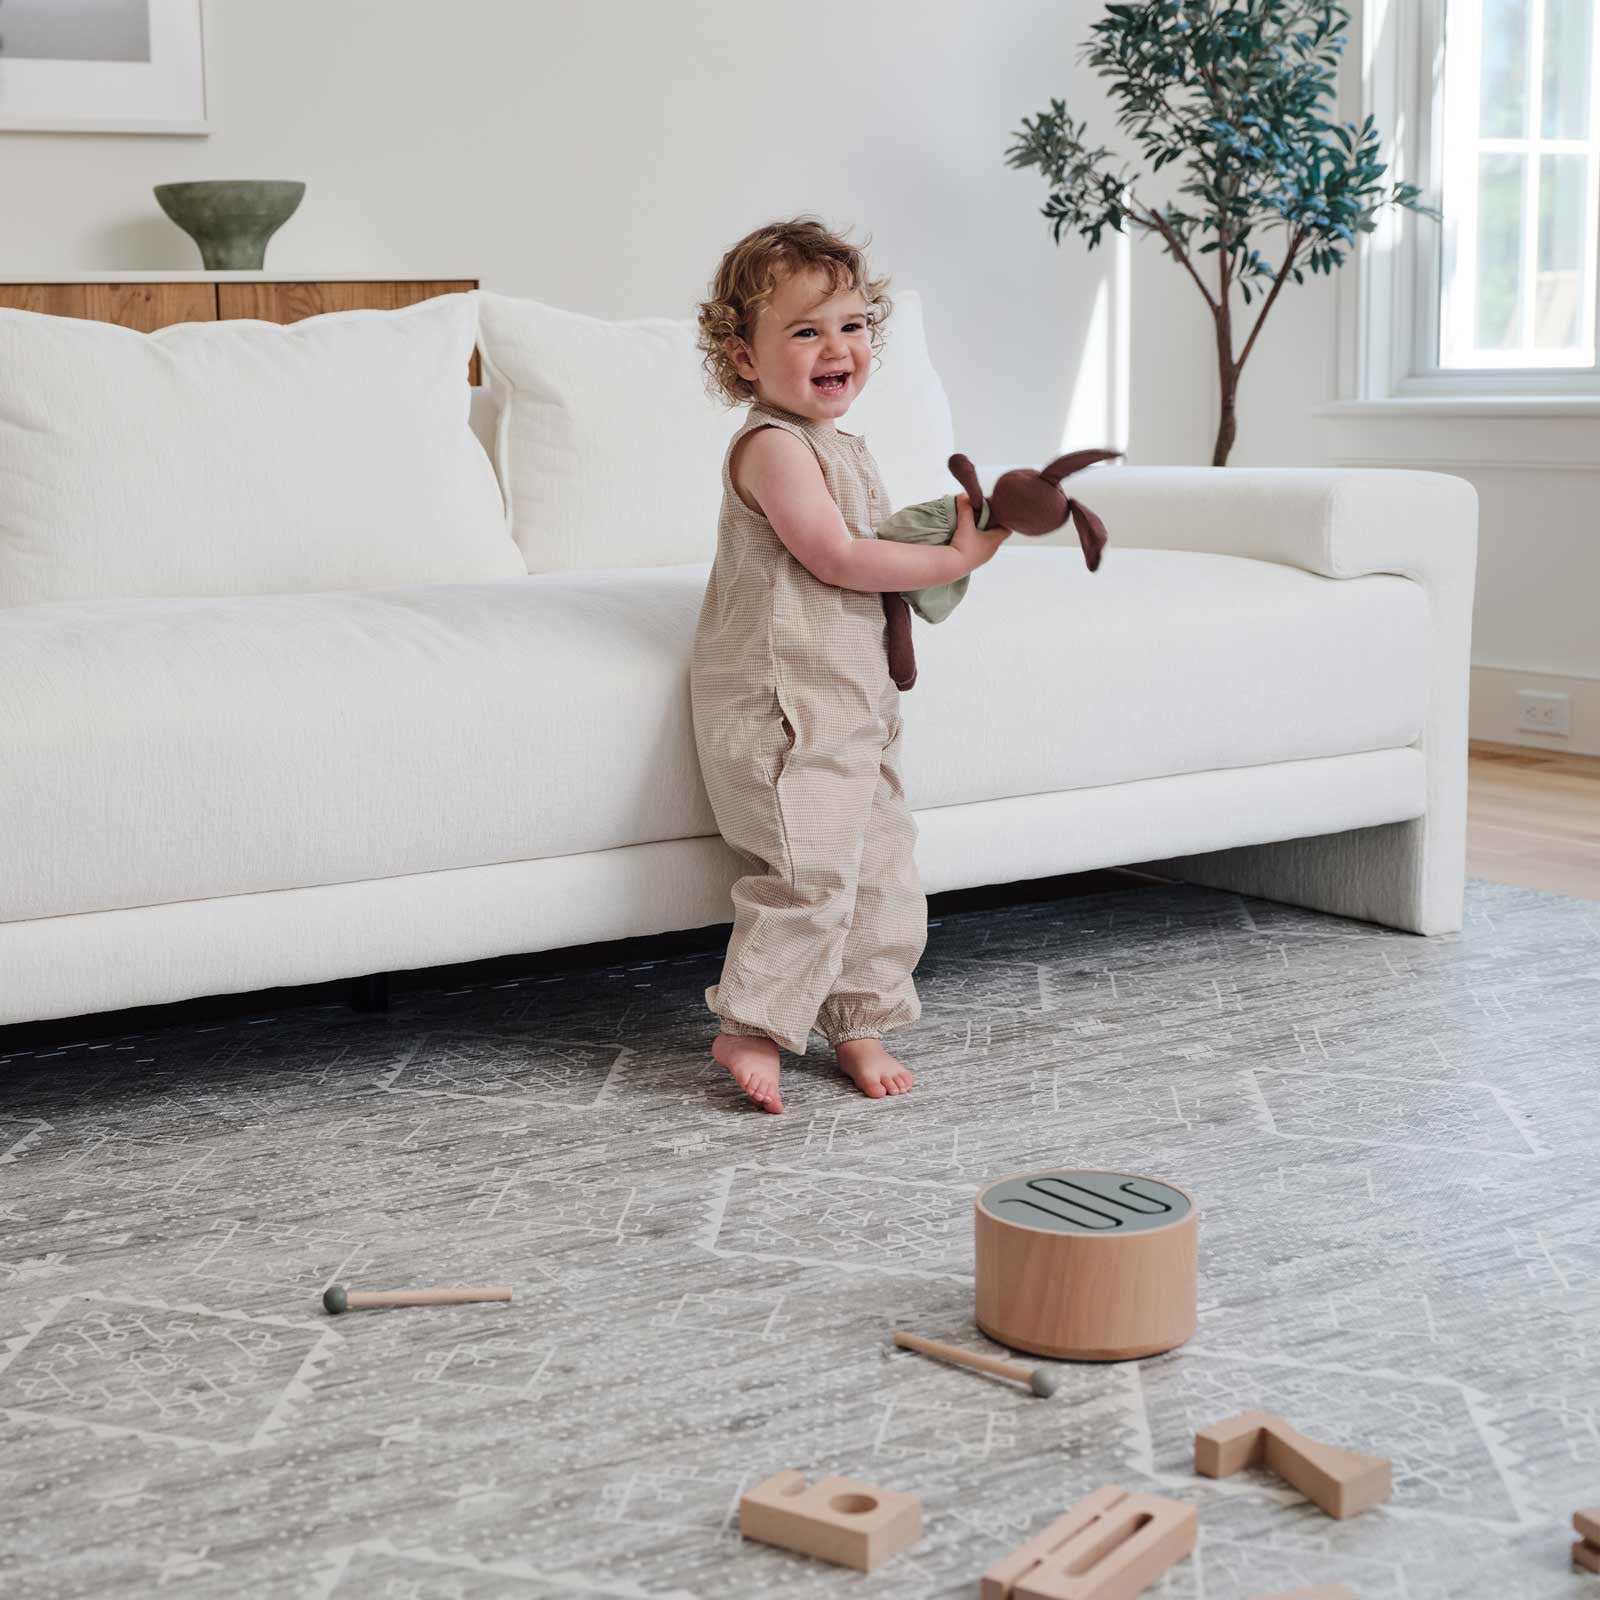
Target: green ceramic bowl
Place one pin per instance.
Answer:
(230, 219)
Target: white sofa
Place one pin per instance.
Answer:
(1264, 688)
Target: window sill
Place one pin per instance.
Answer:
(1499, 406)
(1482, 432)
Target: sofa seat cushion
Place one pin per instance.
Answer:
(1048, 676)
(177, 749)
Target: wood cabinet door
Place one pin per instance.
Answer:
(143, 307)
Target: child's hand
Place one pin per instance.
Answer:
(974, 546)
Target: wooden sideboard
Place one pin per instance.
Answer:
(147, 301)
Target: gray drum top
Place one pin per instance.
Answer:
(1085, 1202)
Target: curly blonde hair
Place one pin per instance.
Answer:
(751, 272)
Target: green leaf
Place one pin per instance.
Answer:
(1239, 99)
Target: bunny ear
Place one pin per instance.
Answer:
(1091, 532)
(1065, 466)
(963, 471)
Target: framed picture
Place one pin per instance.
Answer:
(104, 66)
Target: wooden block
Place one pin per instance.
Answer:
(849, 1523)
(1341, 1482)
(1585, 1554)
(1000, 1581)
(1111, 1545)
(1587, 1523)
(1228, 1447)
(1323, 1591)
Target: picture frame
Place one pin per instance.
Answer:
(106, 66)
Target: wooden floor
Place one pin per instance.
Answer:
(1533, 818)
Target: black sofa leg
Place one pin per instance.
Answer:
(370, 993)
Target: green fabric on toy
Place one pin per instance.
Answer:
(1023, 501)
(930, 522)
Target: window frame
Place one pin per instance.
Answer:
(1389, 316)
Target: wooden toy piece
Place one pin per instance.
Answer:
(1086, 1266)
(1341, 1482)
(337, 1298)
(1041, 1380)
(1586, 1552)
(841, 1520)
(1112, 1545)
(1323, 1591)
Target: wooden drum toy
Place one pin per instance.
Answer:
(1086, 1266)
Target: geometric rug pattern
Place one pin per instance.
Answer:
(1393, 1143)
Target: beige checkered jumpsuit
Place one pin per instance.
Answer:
(797, 723)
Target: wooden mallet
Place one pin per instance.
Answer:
(1044, 1381)
(338, 1298)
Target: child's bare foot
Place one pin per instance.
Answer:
(754, 1063)
(871, 1068)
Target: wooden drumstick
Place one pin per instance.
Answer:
(1044, 1381)
(338, 1298)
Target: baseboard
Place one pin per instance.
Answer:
(1492, 717)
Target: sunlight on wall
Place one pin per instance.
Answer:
(1097, 401)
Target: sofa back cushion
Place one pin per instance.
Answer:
(243, 457)
(610, 449)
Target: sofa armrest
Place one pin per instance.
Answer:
(1339, 523)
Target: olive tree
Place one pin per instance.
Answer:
(1239, 92)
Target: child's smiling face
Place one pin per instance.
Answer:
(812, 349)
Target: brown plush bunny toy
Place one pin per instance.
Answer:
(1022, 500)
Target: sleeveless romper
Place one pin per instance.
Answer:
(797, 724)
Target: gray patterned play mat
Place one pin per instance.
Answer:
(1394, 1144)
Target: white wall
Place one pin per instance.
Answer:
(599, 154)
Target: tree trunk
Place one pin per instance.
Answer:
(1228, 387)
(1226, 426)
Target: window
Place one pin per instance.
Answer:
(1492, 107)
(1519, 173)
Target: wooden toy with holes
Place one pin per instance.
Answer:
(1341, 1482)
(841, 1520)
(1112, 1545)
(1586, 1552)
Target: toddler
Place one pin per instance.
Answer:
(797, 721)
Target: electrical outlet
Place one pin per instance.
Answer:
(1539, 711)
